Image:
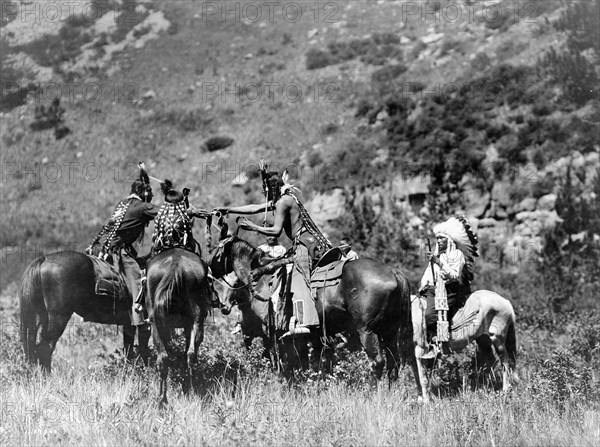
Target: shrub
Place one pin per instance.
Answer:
(387, 74)
(51, 117)
(218, 142)
(559, 380)
(316, 58)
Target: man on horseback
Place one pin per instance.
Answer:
(308, 242)
(172, 224)
(452, 263)
(116, 242)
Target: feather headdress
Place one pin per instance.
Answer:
(458, 229)
(287, 186)
(143, 174)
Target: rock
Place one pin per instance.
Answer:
(432, 38)
(416, 222)
(410, 186)
(312, 33)
(383, 115)
(475, 201)
(150, 94)
(218, 142)
(500, 194)
(547, 202)
(522, 249)
(325, 207)
(527, 204)
(405, 40)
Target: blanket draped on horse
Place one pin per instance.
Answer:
(109, 282)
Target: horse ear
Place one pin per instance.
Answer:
(224, 231)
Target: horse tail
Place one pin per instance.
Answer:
(511, 344)
(406, 332)
(31, 300)
(172, 283)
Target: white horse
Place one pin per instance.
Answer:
(486, 318)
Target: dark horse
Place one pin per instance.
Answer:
(371, 300)
(178, 295)
(54, 287)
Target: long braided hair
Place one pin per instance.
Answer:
(172, 225)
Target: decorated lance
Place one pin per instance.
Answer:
(431, 262)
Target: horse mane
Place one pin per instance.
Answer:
(243, 249)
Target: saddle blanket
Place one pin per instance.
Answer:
(109, 282)
(327, 275)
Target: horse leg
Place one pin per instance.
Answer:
(144, 333)
(194, 337)
(52, 328)
(373, 349)
(162, 363)
(421, 375)
(392, 357)
(504, 362)
(485, 358)
(128, 340)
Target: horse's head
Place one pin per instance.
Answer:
(234, 253)
(232, 291)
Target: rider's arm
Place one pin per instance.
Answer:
(150, 211)
(249, 209)
(197, 212)
(282, 209)
(451, 266)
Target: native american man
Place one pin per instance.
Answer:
(451, 262)
(309, 243)
(172, 224)
(115, 243)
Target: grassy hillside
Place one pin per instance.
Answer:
(494, 113)
(210, 74)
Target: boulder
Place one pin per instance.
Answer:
(432, 38)
(527, 204)
(522, 249)
(547, 202)
(476, 201)
(329, 206)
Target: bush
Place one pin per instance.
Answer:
(387, 74)
(375, 50)
(218, 142)
(559, 380)
(318, 59)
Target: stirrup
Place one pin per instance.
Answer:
(295, 330)
(138, 298)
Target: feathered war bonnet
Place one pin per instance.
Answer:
(458, 230)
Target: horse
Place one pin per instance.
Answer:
(371, 300)
(486, 318)
(178, 295)
(53, 288)
(255, 312)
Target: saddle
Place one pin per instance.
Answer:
(328, 275)
(109, 282)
